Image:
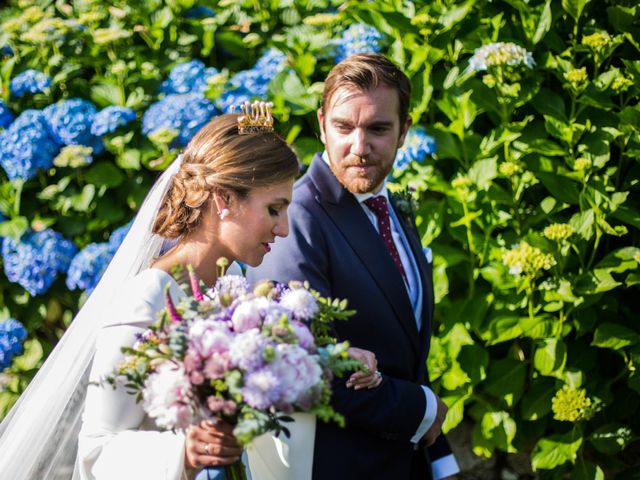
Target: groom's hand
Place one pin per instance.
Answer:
(436, 428)
(211, 444)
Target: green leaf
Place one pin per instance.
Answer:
(614, 336)
(627, 215)
(547, 102)
(620, 260)
(537, 402)
(500, 429)
(505, 380)
(544, 25)
(288, 86)
(550, 356)
(14, 228)
(597, 281)
(611, 438)
(455, 414)
(556, 450)
(105, 174)
(584, 470)
(454, 377)
(474, 360)
(31, 358)
(583, 222)
(105, 94)
(560, 187)
(502, 328)
(539, 327)
(483, 171)
(574, 7)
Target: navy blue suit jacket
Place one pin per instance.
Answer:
(333, 245)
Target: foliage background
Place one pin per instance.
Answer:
(537, 346)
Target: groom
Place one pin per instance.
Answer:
(349, 242)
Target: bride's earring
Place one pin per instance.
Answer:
(223, 213)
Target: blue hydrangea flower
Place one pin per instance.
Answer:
(118, 235)
(12, 334)
(186, 113)
(29, 81)
(27, 145)
(6, 51)
(71, 120)
(109, 119)
(199, 12)
(35, 260)
(88, 265)
(358, 38)
(417, 145)
(246, 85)
(188, 77)
(6, 117)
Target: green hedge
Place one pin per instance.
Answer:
(530, 203)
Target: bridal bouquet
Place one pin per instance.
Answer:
(248, 356)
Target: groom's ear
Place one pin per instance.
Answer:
(321, 123)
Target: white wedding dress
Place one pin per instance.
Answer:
(118, 440)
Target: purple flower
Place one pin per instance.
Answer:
(166, 397)
(261, 389)
(305, 337)
(298, 374)
(249, 314)
(247, 350)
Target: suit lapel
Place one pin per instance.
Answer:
(346, 213)
(425, 273)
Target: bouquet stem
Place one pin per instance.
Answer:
(235, 471)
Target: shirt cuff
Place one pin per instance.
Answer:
(444, 467)
(429, 415)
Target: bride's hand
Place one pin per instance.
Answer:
(364, 379)
(211, 444)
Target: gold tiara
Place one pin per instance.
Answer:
(255, 118)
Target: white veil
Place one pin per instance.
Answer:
(38, 438)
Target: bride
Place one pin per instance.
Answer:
(225, 196)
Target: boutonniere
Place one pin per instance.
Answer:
(405, 204)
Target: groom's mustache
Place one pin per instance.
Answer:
(359, 162)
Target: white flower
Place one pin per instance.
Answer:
(165, 397)
(248, 314)
(301, 302)
(297, 371)
(499, 53)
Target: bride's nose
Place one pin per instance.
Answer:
(281, 228)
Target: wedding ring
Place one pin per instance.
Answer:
(207, 448)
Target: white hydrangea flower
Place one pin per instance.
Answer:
(500, 53)
(301, 302)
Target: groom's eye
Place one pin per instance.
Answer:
(273, 212)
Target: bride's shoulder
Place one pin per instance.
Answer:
(142, 296)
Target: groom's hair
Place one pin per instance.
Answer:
(366, 71)
(219, 159)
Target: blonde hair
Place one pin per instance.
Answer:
(219, 159)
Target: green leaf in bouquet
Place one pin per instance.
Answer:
(536, 404)
(614, 336)
(556, 450)
(611, 438)
(105, 174)
(550, 356)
